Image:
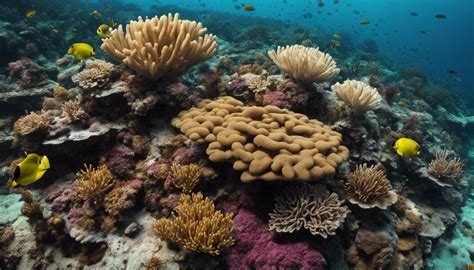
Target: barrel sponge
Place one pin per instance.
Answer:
(304, 64)
(157, 47)
(266, 143)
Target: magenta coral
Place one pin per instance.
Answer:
(255, 248)
(278, 99)
(27, 73)
(178, 91)
(189, 154)
(120, 160)
(390, 93)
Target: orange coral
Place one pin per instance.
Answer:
(94, 182)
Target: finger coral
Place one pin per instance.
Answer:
(368, 187)
(308, 206)
(304, 64)
(196, 225)
(32, 124)
(162, 46)
(359, 95)
(94, 182)
(446, 171)
(266, 143)
(96, 75)
(185, 177)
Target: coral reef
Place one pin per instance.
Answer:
(185, 177)
(169, 47)
(446, 171)
(360, 96)
(368, 187)
(197, 226)
(266, 143)
(94, 182)
(96, 75)
(310, 207)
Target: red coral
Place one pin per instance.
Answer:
(390, 93)
(278, 99)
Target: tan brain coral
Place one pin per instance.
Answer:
(266, 143)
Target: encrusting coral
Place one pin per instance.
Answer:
(445, 170)
(359, 95)
(160, 47)
(196, 225)
(96, 75)
(308, 206)
(94, 182)
(304, 64)
(32, 124)
(368, 187)
(266, 143)
(185, 177)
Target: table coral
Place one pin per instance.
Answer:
(196, 225)
(310, 207)
(369, 187)
(266, 143)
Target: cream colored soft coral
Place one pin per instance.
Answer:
(160, 46)
(304, 64)
(359, 95)
(96, 75)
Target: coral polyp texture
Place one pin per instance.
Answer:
(266, 143)
(158, 47)
(368, 187)
(359, 95)
(93, 183)
(308, 206)
(32, 124)
(304, 64)
(96, 75)
(185, 177)
(197, 226)
(446, 171)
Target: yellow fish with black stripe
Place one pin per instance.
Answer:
(30, 170)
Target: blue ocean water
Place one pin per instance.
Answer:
(406, 32)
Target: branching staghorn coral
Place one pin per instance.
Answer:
(304, 64)
(359, 95)
(185, 177)
(162, 46)
(308, 206)
(446, 171)
(94, 182)
(96, 75)
(196, 225)
(368, 187)
(32, 124)
(266, 143)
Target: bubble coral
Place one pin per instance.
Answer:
(308, 206)
(304, 64)
(93, 183)
(185, 177)
(196, 225)
(266, 143)
(359, 95)
(368, 187)
(162, 46)
(96, 75)
(446, 171)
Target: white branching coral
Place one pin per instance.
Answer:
(96, 75)
(304, 64)
(308, 206)
(359, 95)
(160, 46)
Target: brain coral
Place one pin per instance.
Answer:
(266, 143)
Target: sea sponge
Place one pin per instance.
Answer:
(369, 187)
(32, 124)
(162, 46)
(359, 95)
(304, 64)
(93, 183)
(309, 206)
(196, 225)
(185, 177)
(446, 171)
(266, 143)
(96, 75)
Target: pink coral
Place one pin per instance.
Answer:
(120, 160)
(27, 73)
(189, 154)
(278, 99)
(255, 248)
(178, 91)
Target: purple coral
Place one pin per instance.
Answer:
(27, 73)
(178, 91)
(256, 248)
(120, 160)
(189, 154)
(278, 99)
